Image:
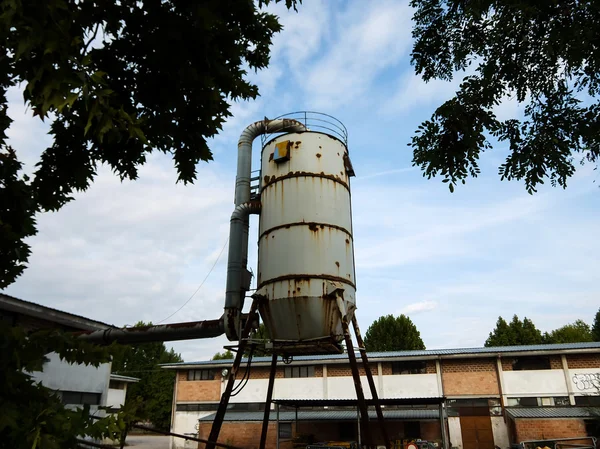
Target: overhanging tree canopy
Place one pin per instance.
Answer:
(546, 54)
(118, 80)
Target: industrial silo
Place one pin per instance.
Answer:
(305, 244)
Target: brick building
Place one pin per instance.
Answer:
(485, 397)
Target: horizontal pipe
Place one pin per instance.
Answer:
(162, 332)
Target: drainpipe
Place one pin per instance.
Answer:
(238, 277)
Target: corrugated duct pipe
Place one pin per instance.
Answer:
(237, 274)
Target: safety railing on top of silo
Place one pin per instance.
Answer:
(316, 122)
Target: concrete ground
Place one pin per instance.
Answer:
(147, 442)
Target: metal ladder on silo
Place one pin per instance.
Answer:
(255, 186)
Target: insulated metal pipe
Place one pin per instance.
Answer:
(162, 332)
(238, 236)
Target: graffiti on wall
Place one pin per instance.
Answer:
(584, 382)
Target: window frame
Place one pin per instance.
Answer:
(531, 363)
(284, 433)
(299, 371)
(200, 374)
(408, 367)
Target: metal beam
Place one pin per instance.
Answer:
(375, 397)
(218, 421)
(163, 332)
(265, 425)
(360, 396)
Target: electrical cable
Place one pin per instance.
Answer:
(245, 377)
(237, 390)
(201, 284)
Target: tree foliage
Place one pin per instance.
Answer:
(596, 327)
(225, 355)
(118, 80)
(544, 54)
(576, 332)
(33, 416)
(389, 333)
(515, 333)
(155, 386)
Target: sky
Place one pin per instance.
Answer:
(453, 262)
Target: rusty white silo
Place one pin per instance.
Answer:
(306, 252)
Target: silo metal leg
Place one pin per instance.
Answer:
(219, 417)
(374, 395)
(265, 425)
(360, 396)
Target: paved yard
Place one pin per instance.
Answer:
(147, 442)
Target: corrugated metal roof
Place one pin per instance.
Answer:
(492, 351)
(123, 378)
(552, 412)
(418, 401)
(325, 415)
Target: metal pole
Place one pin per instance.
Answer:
(365, 360)
(358, 427)
(277, 429)
(360, 396)
(218, 422)
(265, 426)
(443, 426)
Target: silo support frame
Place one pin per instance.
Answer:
(220, 416)
(265, 424)
(374, 395)
(360, 395)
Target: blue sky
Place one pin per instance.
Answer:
(124, 252)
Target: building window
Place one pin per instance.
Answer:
(285, 430)
(562, 401)
(523, 402)
(531, 363)
(590, 401)
(80, 398)
(409, 367)
(201, 374)
(292, 372)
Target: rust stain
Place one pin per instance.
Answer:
(318, 155)
(302, 174)
(271, 156)
(267, 178)
(312, 226)
(337, 263)
(299, 278)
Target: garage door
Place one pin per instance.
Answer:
(476, 432)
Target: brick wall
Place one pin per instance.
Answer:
(555, 362)
(468, 365)
(245, 435)
(475, 376)
(579, 361)
(386, 367)
(544, 429)
(198, 390)
(431, 367)
(344, 370)
(507, 364)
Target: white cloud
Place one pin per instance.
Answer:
(418, 307)
(412, 92)
(370, 38)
